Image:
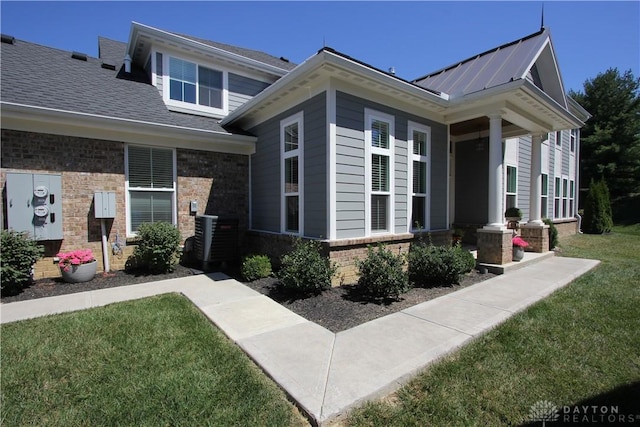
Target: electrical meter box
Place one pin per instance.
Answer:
(104, 204)
(34, 204)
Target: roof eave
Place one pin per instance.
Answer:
(327, 57)
(138, 28)
(62, 122)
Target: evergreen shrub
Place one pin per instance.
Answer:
(256, 267)
(305, 270)
(19, 253)
(158, 249)
(597, 209)
(382, 274)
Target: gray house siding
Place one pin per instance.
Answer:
(266, 164)
(350, 167)
(524, 175)
(242, 89)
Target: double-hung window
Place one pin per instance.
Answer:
(379, 142)
(565, 198)
(195, 84)
(291, 143)
(419, 166)
(512, 186)
(150, 182)
(544, 198)
(556, 199)
(572, 198)
(574, 139)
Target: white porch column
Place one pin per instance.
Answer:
(496, 196)
(535, 189)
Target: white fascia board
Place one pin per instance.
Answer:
(577, 109)
(543, 98)
(61, 122)
(331, 59)
(137, 28)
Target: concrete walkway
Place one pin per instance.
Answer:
(327, 373)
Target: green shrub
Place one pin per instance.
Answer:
(465, 261)
(382, 274)
(17, 256)
(305, 270)
(158, 249)
(255, 267)
(553, 233)
(597, 209)
(431, 265)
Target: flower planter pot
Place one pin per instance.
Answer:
(80, 273)
(518, 253)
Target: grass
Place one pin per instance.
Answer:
(151, 362)
(580, 346)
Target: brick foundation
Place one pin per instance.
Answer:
(495, 246)
(217, 181)
(344, 253)
(537, 236)
(566, 227)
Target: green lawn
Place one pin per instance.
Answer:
(151, 362)
(579, 346)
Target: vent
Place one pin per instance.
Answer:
(282, 58)
(4, 38)
(216, 239)
(108, 65)
(79, 56)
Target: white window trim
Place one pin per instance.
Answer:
(544, 198)
(506, 184)
(299, 152)
(413, 126)
(187, 107)
(557, 195)
(564, 203)
(572, 198)
(573, 141)
(369, 117)
(127, 188)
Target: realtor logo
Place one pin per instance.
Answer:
(544, 411)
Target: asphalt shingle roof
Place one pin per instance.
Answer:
(47, 77)
(247, 53)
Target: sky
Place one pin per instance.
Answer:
(416, 37)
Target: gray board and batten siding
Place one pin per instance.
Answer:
(350, 167)
(266, 185)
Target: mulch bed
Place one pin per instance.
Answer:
(336, 309)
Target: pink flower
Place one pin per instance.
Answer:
(77, 257)
(519, 241)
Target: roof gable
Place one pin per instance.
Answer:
(530, 58)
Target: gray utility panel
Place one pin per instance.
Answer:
(34, 204)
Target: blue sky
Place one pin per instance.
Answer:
(413, 37)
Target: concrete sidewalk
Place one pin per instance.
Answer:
(327, 373)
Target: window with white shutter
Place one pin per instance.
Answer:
(379, 158)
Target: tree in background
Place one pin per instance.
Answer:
(610, 140)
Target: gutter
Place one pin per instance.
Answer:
(327, 56)
(41, 119)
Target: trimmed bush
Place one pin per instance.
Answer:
(158, 249)
(597, 209)
(305, 270)
(382, 274)
(553, 233)
(431, 265)
(18, 254)
(255, 267)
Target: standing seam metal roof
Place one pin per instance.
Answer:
(489, 69)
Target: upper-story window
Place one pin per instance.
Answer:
(574, 138)
(201, 86)
(195, 84)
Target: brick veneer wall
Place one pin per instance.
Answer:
(218, 182)
(344, 253)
